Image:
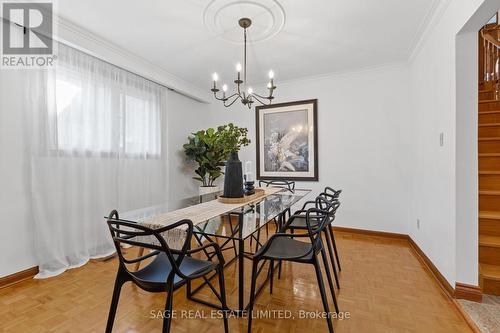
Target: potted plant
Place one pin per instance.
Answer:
(210, 149)
(205, 149)
(231, 139)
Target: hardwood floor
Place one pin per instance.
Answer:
(384, 288)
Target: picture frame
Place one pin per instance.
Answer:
(287, 141)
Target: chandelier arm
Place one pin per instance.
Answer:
(234, 100)
(256, 97)
(229, 97)
(268, 97)
(218, 98)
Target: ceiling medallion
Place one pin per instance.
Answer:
(268, 18)
(249, 97)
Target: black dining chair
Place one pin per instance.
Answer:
(286, 184)
(168, 269)
(299, 223)
(286, 247)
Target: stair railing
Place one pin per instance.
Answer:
(490, 65)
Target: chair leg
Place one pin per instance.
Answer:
(280, 261)
(271, 267)
(234, 248)
(322, 292)
(222, 288)
(141, 253)
(168, 305)
(252, 294)
(234, 242)
(276, 224)
(330, 252)
(257, 240)
(114, 302)
(329, 278)
(330, 230)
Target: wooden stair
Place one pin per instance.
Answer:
(486, 117)
(489, 223)
(491, 271)
(489, 167)
(489, 241)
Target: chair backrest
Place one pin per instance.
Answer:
(322, 213)
(133, 233)
(334, 194)
(286, 184)
(321, 219)
(335, 204)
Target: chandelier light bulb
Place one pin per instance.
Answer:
(224, 87)
(271, 74)
(215, 77)
(238, 67)
(250, 90)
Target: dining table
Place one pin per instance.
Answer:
(231, 225)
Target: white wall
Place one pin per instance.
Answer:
(185, 116)
(16, 240)
(444, 186)
(363, 141)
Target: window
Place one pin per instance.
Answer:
(141, 127)
(102, 109)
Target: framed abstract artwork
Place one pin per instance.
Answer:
(287, 141)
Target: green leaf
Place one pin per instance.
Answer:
(210, 149)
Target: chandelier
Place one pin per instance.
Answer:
(247, 97)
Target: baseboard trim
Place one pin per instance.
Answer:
(9, 280)
(464, 291)
(461, 290)
(371, 232)
(468, 292)
(443, 283)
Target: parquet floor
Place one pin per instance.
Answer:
(384, 288)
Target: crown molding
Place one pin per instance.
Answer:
(337, 74)
(86, 41)
(430, 20)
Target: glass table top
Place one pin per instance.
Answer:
(253, 216)
(141, 214)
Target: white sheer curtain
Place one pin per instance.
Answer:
(98, 143)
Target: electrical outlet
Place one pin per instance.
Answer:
(418, 223)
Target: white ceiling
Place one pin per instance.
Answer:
(297, 38)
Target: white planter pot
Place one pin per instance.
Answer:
(208, 189)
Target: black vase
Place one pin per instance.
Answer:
(233, 177)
